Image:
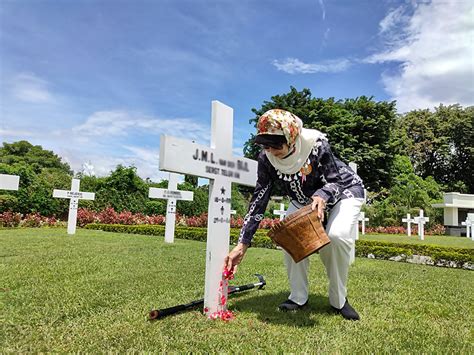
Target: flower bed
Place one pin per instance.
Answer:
(437, 229)
(14, 219)
(110, 216)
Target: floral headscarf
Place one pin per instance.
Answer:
(282, 123)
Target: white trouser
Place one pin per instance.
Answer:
(335, 256)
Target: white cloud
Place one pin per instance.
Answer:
(392, 19)
(120, 136)
(30, 88)
(109, 138)
(295, 66)
(323, 9)
(123, 123)
(146, 160)
(434, 51)
(16, 133)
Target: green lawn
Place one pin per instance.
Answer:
(441, 240)
(92, 292)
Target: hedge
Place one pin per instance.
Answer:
(440, 256)
(260, 240)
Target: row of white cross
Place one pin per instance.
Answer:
(172, 194)
(420, 221)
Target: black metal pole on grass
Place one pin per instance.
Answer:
(161, 313)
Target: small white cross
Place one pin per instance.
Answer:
(172, 194)
(281, 212)
(469, 223)
(9, 182)
(362, 219)
(420, 221)
(74, 195)
(408, 221)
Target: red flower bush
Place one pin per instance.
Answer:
(108, 216)
(236, 222)
(197, 221)
(437, 229)
(386, 230)
(32, 220)
(125, 217)
(268, 223)
(10, 219)
(85, 216)
(155, 219)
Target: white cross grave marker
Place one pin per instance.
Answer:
(281, 212)
(218, 164)
(172, 194)
(469, 223)
(9, 182)
(408, 221)
(420, 221)
(74, 195)
(362, 219)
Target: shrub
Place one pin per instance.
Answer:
(86, 216)
(437, 229)
(108, 216)
(10, 219)
(155, 219)
(31, 220)
(386, 250)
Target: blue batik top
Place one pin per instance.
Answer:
(330, 178)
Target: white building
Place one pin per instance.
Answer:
(456, 207)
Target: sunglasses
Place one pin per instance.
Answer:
(265, 146)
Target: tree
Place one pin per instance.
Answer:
(409, 194)
(192, 180)
(40, 172)
(440, 143)
(24, 153)
(200, 201)
(359, 129)
(122, 190)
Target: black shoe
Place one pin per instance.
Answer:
(289, 305)
(347, 311)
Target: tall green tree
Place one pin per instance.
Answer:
(122, 190)
(359, 129)
(34, 156)
(440, 143)
(40, 172)
(408, 194)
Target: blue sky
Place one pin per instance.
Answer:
(99, 80)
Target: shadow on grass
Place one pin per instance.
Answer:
(265, 305)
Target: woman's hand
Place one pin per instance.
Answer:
(320, 205)
(235, 257)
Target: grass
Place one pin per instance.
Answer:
(440, 240)
(92, 292)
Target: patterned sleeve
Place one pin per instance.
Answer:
(258, 203)
(333, 184)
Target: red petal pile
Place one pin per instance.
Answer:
(223, 313)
